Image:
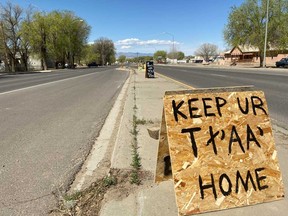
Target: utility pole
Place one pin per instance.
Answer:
(266, 32)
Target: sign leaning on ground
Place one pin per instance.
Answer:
(149, 69)
(221, 148)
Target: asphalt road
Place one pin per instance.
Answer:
(274, 83)
(49, 122)
(18, 81)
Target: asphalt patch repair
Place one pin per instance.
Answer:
(89, 201)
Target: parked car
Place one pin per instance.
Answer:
(93, 64)
(198, 61)
(282, 63)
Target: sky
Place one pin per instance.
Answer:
(145, 26)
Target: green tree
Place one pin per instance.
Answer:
(180, 55)
(90, 55)
(57, 43)
(58, 36)
(172, 55)
(122, 59)
(37, 32)
(160, 56)
(176, 55)
(246, 25)
(143, 59)
(112, 59)
(68, 36)
(207, 50)
(77, 31)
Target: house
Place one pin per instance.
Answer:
(171, 61)
(34, 63)
(250, 54)
(242, 54)
(2, 66)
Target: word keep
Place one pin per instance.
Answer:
(254, 104)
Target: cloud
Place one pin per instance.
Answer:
(129, 41)
(126, 47)
(138, 42)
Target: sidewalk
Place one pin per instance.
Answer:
(150, 199)
(144, 98)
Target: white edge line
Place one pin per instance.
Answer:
(44, 84)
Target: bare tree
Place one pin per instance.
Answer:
(105, 47)
(24, 48)
(10, 19)
(3, 47)
(207, 50)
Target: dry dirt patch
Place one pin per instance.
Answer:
(89, 201)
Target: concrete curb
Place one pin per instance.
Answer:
(92, 168)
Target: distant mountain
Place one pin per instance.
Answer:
(132, 54)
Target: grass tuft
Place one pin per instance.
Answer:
(109, 181)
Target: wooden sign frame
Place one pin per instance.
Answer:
(218, 148)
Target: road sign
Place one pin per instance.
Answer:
(220, 146)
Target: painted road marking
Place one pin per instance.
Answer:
(219, 75)
(43, 84)
(181, 83)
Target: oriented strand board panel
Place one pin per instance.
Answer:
(163, 169)
(222, 149)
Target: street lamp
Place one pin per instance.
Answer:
(266, 31)
(173, 47)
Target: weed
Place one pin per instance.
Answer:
(135, 178)
(74, 196)
(109, 181)
(134, 98)
(134, 132)
(136, 159)
(143, 121)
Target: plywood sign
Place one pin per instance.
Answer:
(221, 148)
